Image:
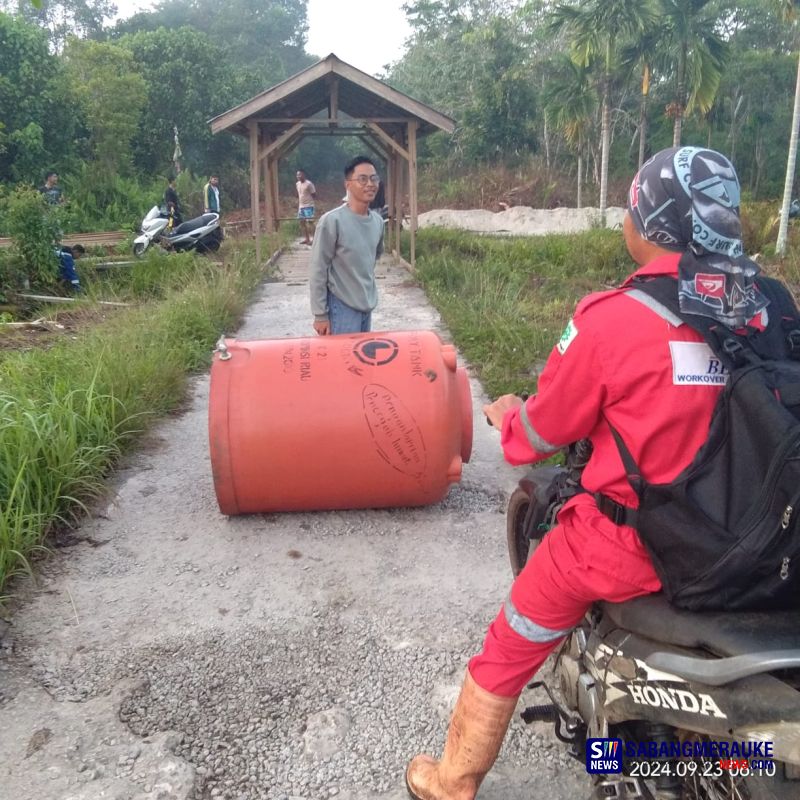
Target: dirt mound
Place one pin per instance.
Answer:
(522, 220)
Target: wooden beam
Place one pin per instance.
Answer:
(393, 145)
(327, 120)
(373, 145)
(267, 151)
(333, 101)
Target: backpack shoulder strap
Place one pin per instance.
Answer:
(661, 295)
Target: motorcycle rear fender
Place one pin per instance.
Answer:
(537, 483)
(629, 688)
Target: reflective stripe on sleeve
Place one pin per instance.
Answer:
(539, 444)
(527, 628)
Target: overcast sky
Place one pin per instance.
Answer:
(365, 33)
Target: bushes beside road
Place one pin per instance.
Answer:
(68, 411)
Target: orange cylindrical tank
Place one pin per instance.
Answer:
(352, 421)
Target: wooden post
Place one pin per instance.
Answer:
(269, 211)
(412, 185)
(399, 193)
(255, 181)
(395, 206)
(274, 190)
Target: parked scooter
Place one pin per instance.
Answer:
(671, 687)
(202, 233)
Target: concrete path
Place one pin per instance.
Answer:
(174, 653)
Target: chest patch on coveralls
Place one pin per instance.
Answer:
(694, 364)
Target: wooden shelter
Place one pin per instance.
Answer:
(333, 98)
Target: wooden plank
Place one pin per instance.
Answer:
(99, 239)
(46, 298)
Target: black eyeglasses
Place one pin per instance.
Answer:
(363, 180)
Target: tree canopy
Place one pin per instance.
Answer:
(84, 95)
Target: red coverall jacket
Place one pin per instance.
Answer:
(619, 362)
(657, 383)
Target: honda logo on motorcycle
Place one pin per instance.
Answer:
(674, 699)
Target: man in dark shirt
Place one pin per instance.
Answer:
(171, 201)
(51, 190)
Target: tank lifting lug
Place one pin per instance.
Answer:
(222, 349)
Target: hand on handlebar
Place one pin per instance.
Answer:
(497, 410)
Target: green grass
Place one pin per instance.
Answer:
(507, 300)
(67, 412)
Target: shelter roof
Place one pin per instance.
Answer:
(308, 94)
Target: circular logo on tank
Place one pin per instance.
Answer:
(376, 351)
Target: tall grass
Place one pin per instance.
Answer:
(67, 412)
(506, 300)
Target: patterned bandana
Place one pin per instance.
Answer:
(686, 199)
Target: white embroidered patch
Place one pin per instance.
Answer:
(570, 332)
(694, 364)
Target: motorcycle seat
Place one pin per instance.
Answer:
(193, 224)
(723, 633)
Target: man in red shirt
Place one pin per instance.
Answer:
(623, 361)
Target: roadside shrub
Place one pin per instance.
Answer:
(35, 228)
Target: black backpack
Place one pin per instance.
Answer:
(725, 534)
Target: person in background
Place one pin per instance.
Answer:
(211, 196)
(306, 194)
(67, 273)
(620, 362)
(172, 202)
(347, 245)
(51, 190)
(379, 203)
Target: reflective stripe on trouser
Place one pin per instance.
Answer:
(549, 597)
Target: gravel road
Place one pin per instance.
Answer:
(171, 653)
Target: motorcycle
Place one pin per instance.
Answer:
(683, 694)
(202, 233)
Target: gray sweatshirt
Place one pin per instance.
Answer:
(346, 247)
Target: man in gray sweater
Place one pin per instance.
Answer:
(347, 243)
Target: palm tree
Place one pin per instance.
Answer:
(571, 100)
(595, 28)
(644, 54)
(788, 9)
(699, 56)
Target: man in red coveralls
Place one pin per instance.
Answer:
(626, 361)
